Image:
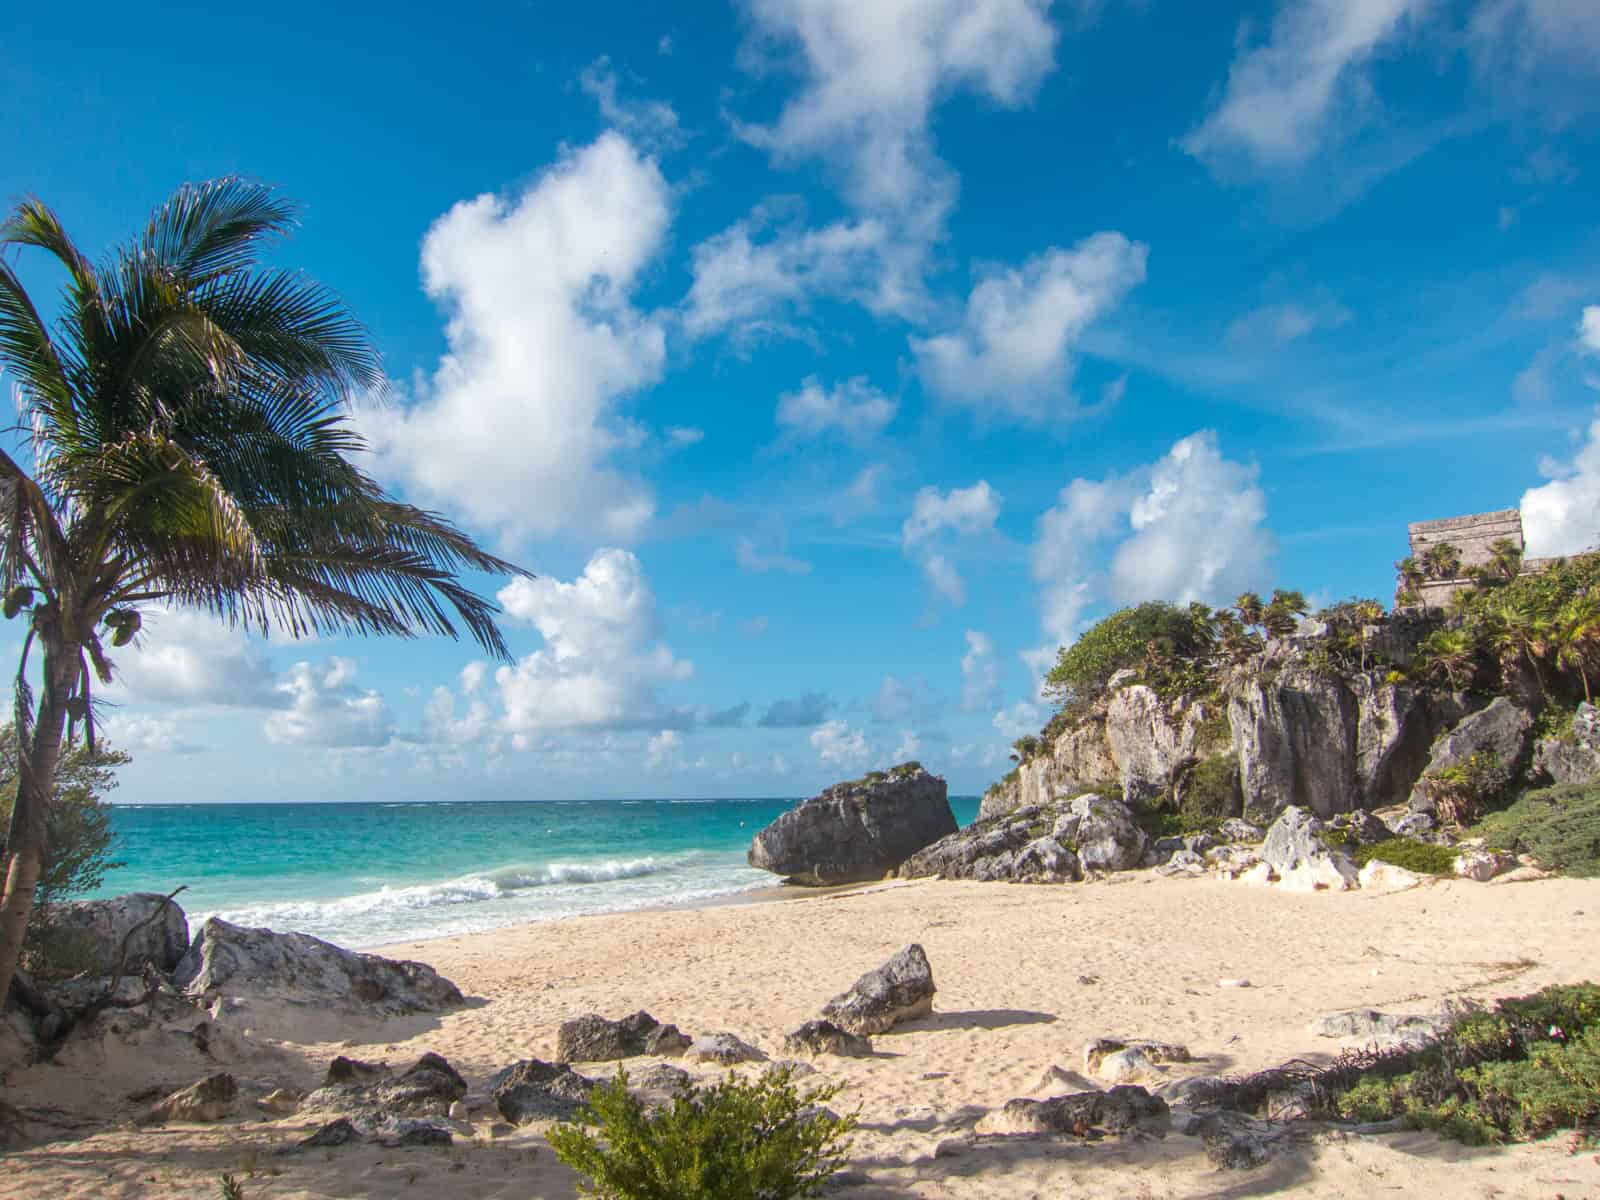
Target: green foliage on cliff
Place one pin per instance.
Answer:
(1171, 648)
(1559, 826)
(1422, 857)
(1210, 792)
(1525, 1068)
(734, 1140)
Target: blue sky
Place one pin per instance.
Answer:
(832, 363)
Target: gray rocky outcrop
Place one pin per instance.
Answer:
(724, 1049)
(369, 1093)
(1298, 852)
(817, 1037)
(1371, 1025)
(1329, 743)
(295, 968)
(1152, 746)
(1502, 731)
(1481, 864)
(856, 831)
(900, 990)
(1117, 1110)
(214, 1098)
(93, 931)
(1103, 833)
(1119, 1060)
(532, 1090)
(1017, 847)
(593, 1038)
(1077, 761)
(1573, 757)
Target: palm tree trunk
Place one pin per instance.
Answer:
(27, 841)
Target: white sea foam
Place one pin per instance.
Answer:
(503, 896)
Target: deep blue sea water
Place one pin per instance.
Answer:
(364, 874)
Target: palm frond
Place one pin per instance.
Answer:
(214, 228)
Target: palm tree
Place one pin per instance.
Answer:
(1450, 652)
(185, 417)
(1283, 612)
(1442, 561)
(1505, 559)
(1577, 637)
(1520, 632)
(1250, 608)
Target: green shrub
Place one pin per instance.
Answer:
(78, 825)
(1210, 792)
(1526, 1068)
(761, 1140)
(1463, 791)
(1422, 857)
(1559, 826)
(1170, 646)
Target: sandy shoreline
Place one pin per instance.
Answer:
(1025, 974)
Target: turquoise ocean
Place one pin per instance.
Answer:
(365, 874)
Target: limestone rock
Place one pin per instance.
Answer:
(298, 969)
(824, 1037)
(1503, 729)
(900, 990)
(1370, 1024)
(593, 1038)
(1151, 747)
(1018, 847)
(338, 1132)
(1575, 757)
(94, 930)
(281, 1102)
(1330, 744)
(1301, 859)
(400, 1132)
(1077, 761)
(13, 1128)
(425, 1089)
(213, 1098)
(1481, 864)
(1379, 876)
(724, 1049)
(856, 831)
(1117, 1111)
(1057, 1080)
(1103, 832)
(532, 1090)
(1202, 1091)
(1238, 830)
(1184, 863)
(1125, 1060)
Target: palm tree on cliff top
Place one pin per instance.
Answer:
(185, 419)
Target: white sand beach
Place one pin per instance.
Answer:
(1025, 976)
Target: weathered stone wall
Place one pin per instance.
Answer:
(1473, 535)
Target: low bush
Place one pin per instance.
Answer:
(1463, 791)
(1422, 857)
(761, 1140)
(1559, 826)
(1523, 1069)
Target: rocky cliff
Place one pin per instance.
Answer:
(858, 830)
(1288, 727)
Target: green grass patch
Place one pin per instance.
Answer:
(1559, 826)
(1422, 857)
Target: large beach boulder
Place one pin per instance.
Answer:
(1299, 852)
(90, 932)
(593, 1038)
(1574, 756)
(900, 990)
(856, 831)
(1499, 736)
(372, 1094)
(1016, 847)
(532, 1090)
(213, 1098)
(1102, 832)
(1118, 1110)
(232, 961)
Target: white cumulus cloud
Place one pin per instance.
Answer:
(602, 661)
(836, 742)
(854, 409)
(1190, 526)
(979, 677)
(1013, 353)
(1563, 516)
(188, 658)
(1589, 329)
(937, 517)
(518, 427)
(1306, 86)
(326, 708)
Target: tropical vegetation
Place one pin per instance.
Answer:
(734, 1140)
(184, 422)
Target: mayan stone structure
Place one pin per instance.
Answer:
(1473, 536)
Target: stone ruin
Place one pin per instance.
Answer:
(1474, 536)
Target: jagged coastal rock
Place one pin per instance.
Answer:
(96, 929)
(593, 1038)
(1053, 843)
(1501, 734)
(1575, 756)
(856, 831)
(1299, 853)
(816, 1038)
(532, 1090)
(900, 990)
(232, 961)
